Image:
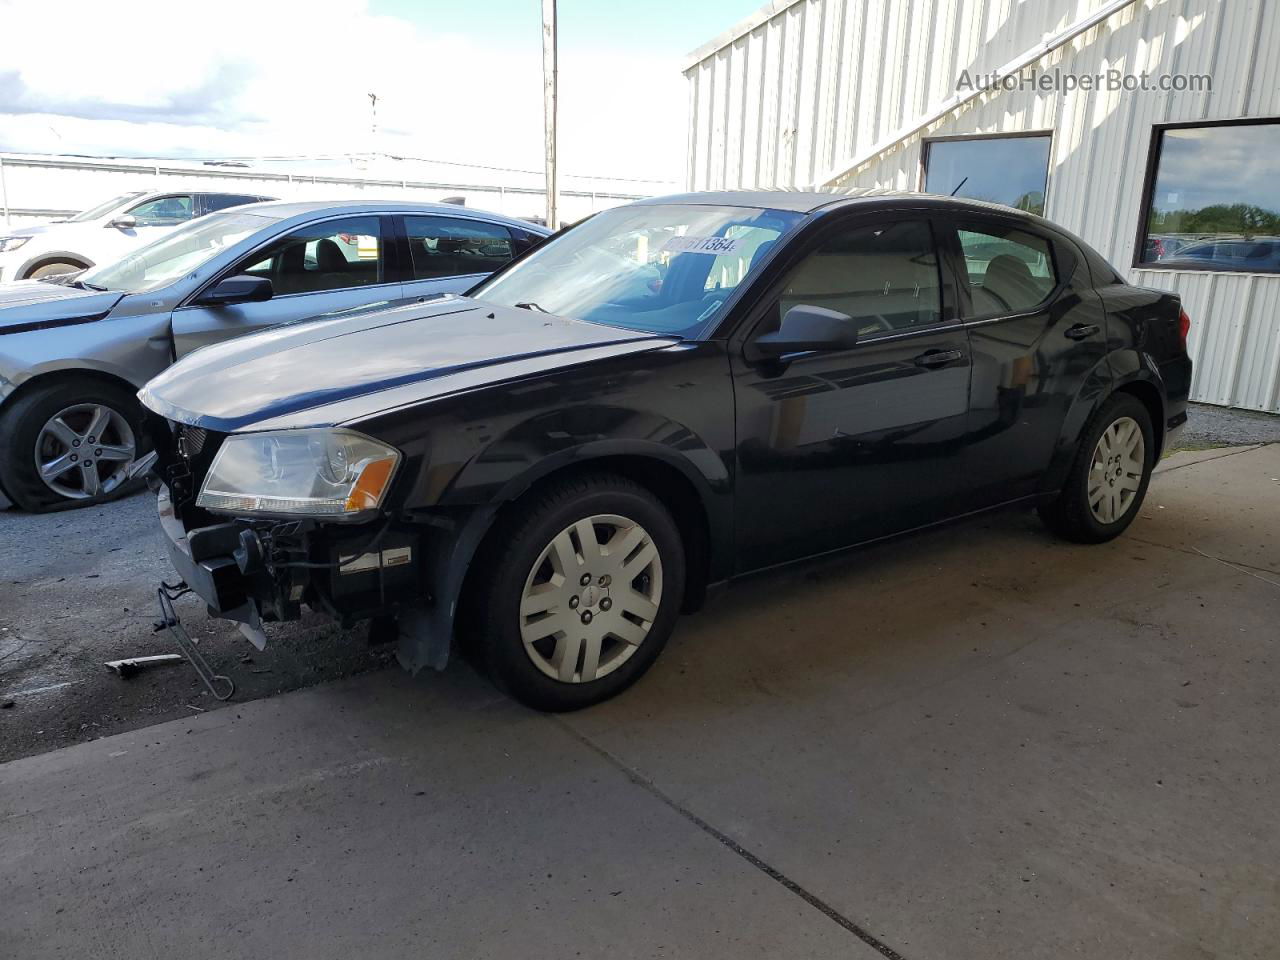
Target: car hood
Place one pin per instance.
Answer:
(389, 357)
(36, 304)
(34, 230)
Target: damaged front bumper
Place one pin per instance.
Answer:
(205, 559)
(256, 572)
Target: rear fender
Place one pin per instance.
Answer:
(1094, 390)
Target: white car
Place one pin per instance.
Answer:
(105, 233)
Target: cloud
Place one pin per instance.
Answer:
(146, 79)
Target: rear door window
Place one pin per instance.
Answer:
(220, 201)
(1010, 271)
(453, 247)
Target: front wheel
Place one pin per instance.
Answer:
(578, 592)
(55, 268)
(67, 443)
(1108, 478)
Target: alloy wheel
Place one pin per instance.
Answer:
(590, 599)
(1115, 474)
(84, 451)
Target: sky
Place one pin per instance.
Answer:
(455, 81)
(1219, 165)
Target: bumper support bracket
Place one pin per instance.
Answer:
(222, 687)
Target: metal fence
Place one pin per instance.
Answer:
(43, 187)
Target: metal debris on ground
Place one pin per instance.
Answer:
(130, 666)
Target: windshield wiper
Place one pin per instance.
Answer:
(530, 305)
(82, 285)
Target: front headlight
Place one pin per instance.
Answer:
(11, 243)
(338, 474)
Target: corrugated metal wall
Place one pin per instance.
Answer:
(811, 83)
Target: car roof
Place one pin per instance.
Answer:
(812, 201)
(286, 209)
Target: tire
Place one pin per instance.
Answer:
(54, 268)
(517, 602)
(27, 430)
(1107, 469)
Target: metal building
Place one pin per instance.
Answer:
(1167, 160)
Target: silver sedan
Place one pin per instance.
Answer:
(75, 349)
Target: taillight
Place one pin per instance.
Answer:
(1184, 327)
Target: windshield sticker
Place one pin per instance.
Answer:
(715, 246)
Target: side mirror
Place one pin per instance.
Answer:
(125, 221)
(238, 289)
(805, 328)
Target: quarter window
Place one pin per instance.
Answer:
(450, 247)
(1008, 271)
(1213, 202)
(331, 255)
(885, 277)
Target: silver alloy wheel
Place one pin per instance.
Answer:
(590, 599)
(84, 450)
(1115, 474)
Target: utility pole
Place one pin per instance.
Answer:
(549, 87)
(373, 115)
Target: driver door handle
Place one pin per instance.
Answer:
(938, 358)
(1081, 330)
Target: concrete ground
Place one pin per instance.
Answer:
(78, 588)
(976, 743)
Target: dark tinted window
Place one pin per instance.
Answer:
(1009, 271)
(449, 247)
(163, 211)
(331, 255)
(1215, 198)
(884, 276)
(220, 201)
(1008, 170)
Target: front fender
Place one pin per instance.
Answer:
(129, 349)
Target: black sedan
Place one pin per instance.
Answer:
(667, 396)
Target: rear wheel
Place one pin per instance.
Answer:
(67, 443)
(1108, 478)
(579, 593)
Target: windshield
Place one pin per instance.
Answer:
(93, 213)
(664, 268)
(177, 254)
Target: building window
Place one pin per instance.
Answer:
(1213, 198)
(1013, 170)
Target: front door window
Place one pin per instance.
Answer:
(331, 255)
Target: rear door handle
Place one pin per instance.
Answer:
(1081, 330)
(938, 358)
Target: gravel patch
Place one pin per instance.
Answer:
(1210, 426)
